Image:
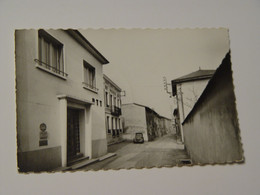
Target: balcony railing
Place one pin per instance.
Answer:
(89, 86)
(116, 111)
(115, 132)
(51, 68)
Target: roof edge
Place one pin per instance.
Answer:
(146, 107)
(193, 78)
(225, 60)
(87, 45)
(107, 78)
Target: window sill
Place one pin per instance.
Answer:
(89, 88)
(51, 72)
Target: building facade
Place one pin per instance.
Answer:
(59, 94)
(142, 119)
(187, 89)
(112, 97)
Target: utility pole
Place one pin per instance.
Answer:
(183, 115)
(182, 106)
(165, 84)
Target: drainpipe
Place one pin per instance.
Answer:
(182, 103)
(183, 115)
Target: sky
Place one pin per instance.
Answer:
(140, 58)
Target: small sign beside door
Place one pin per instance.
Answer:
(43, 135)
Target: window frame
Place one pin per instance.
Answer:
(108, 125)
(90, 70)
(48, 66)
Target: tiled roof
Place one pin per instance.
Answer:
(197, 75)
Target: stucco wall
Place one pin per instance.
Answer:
(37, 90)
(112, 89)
(134, 121)
(211, 130)
(191, 92)
(40, 160)
(118, 138)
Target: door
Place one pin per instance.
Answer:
(73, 139)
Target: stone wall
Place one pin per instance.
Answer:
(157, 126)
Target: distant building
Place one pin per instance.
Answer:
(142, 119)
(211, 129)
(60, 110)
(112, 111)
(187, 90)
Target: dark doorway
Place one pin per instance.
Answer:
(73, 139)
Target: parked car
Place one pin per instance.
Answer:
(139, 138)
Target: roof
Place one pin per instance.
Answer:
(224, 66)
(134, 104)
(112, 82)
(146, 107)
(87, 45)
(197, 75)
(194, 76)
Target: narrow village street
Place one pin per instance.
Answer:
(162, 152)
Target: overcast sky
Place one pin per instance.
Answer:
(140, 58)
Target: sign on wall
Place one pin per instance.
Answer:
(43, 135)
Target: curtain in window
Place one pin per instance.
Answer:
(90, 77)
(86, 75)
(107, 122)
(50, 53)
(54, 57)
(44, 51)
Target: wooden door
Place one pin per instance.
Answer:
(73, 139)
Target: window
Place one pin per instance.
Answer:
(111, 97)
(106, 98)
(114, 101)
(89, 77)
(112, 126)
(100, 103)
(108, 130)
(50, 53)
(97, 102)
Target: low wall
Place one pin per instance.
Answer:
(39, 160)
(99, 148)
(211, 130)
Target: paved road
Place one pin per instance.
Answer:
(159, 153)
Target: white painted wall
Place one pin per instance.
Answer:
(37, 90)
(134, 121)
(191, 91)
